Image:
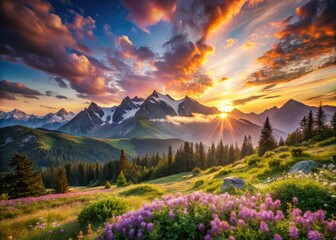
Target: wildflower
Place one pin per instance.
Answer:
(296, 212)
(279, 215)
(207, 237)
(62, 231)
(295, 201)
(320, 215)
(241, 223)
(277, 237)
(143, 225)
(293, 232)
(50, 231)
(232, 238)
(150, 227)
(139, 234)
(314, 235)
(264, 227)
(171, 214)
(201, 227)
(131, 233)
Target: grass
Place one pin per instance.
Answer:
(148, 191)
(16, 220)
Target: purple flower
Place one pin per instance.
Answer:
(124, 232)
(140, 234)
(143, 225)
(150, 227)
(207, 237)
(225, 226)
(109, 234)
(314, 235)
(201, 227)
(171, 214)
(241, 223)
(296, 212)
(295, 201)
(279, 215)
(232, 238)
(320, 215)
(131, 233)
(233, 220)
(277, 237)
(62, 230)
(264, 227)
(331, 226)
(293, 232)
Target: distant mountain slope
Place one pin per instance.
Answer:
(50, 148)
(286, 118)
(50, 121)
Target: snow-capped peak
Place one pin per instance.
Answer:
(168, 100)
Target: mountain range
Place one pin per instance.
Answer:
(286, 118)
(162, 117)
(51, 121)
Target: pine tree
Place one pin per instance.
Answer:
(212, 156)
(320, 120)
(310, 125)
(244, 147)
(236, 152)
(123, 161)
(170, 160)
(202, 156)
(231, 154)
(61, 183)
(266, 140)
(121, 180)
(304, 128)
(250, 149)
(107, 185)
(281, 142)
(23, 180)
(220, 153)
(333, 122)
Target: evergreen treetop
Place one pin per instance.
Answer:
(266, 140)
(23, 180)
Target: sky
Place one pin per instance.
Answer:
(248, 54)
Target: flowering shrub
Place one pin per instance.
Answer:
(99, 211)
(313, 196)
(207, 216)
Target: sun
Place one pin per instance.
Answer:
(223, 115)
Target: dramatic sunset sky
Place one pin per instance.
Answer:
(225, 53)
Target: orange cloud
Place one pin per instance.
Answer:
(230, 42)
(249, 45)
(304, 46)
(44, 43)
(147, 13)
(83, 26)
(253, 3)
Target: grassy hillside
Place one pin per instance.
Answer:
(263, 175)
(48, 148)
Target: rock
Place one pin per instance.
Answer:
(232, 182)
(303, 166)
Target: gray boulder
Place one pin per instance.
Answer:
(232, 182)
(303, 166)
